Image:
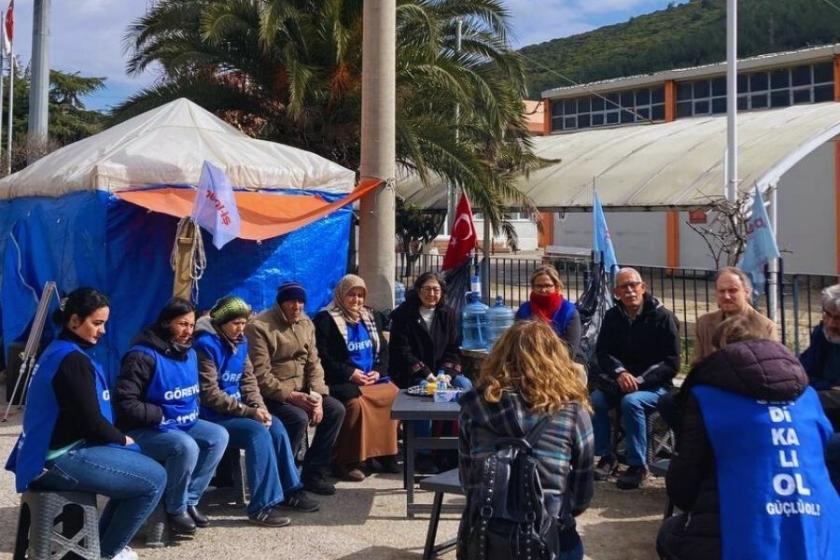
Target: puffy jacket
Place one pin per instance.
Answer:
(760, 369)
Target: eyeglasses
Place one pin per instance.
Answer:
(430, 289)
(543, 286)
(631, 285)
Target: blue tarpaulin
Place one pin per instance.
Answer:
(94, 239)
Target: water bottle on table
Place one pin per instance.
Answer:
(499, 318)
(474, 323)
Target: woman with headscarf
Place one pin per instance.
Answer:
(231, 398)
(354, 355)
(157, 401)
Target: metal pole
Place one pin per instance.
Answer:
(773, 265)
(731, 100)
(40, 84)
(9, 121)
(452, 190)
(485, 272)
(2, 60)
(377, 231)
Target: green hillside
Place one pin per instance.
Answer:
(680, 36)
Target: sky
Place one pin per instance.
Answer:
(87, 35)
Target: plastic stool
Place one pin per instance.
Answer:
(53, 524)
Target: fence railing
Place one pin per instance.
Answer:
(689, 293)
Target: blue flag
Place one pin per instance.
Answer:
(761, 244)
(215, 206)
(601, 241)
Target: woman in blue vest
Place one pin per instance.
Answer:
(354, 354)
(157, 401)
(749, 470)
(69, 442)
(231, 398)
(546, 302)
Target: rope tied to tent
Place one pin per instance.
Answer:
(188, 259)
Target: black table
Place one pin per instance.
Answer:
(411, 410)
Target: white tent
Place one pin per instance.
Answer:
(168, 146)
(680, 164)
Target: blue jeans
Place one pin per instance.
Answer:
(133, 482)
(269, 461)
(832, 460)
(189, 456)
(462, 382)
(634, 410)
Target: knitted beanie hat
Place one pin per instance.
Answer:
(229, 308)
(291, 291)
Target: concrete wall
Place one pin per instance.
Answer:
(806, 225)
(526, 229)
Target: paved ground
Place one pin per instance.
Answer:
(366, 521)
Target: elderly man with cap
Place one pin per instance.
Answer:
(284, 354)
(231, 398)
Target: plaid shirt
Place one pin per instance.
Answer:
(565, 450)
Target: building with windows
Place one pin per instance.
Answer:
(674, 122)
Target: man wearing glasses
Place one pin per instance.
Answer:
(638, 354)
(822, 358)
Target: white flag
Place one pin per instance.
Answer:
(215, 206)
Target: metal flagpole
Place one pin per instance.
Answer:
(732, 100)
(2, 56)
(774, 281)
(11, 108)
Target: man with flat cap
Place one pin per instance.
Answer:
(283, 351)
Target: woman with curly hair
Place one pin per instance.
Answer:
(527, 377)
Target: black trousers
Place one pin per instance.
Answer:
(316, 462)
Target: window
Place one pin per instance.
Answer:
(623, 107)
(782, 87)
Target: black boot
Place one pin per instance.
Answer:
(181, 523)
(199, 518)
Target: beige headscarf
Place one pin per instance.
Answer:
(341, 315)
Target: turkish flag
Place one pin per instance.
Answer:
(462, 238)
(9, 24)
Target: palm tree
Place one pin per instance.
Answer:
(290, 71)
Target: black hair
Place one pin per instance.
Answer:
(426, 276)
(175, 307)
(81, 302)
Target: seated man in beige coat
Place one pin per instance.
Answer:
(283, 351)
(733, 291)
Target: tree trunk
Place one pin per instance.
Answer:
(377, 233)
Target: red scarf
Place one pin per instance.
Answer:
(545, 306)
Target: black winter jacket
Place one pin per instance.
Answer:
(136, 370)
(760, 369)
(648, 346)
(416, 351)
(332, 349)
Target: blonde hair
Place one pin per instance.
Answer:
(530, 359)
(552, 273)
(738, 328)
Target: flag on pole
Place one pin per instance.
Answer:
(9, 28)
(601, 241)
(215, 206)
(463, 237)
(761, 244)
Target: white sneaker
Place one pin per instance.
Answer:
(125, 554)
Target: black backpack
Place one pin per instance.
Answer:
(506, 516)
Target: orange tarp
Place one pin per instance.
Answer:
(263, 214)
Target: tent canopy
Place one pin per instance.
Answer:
(168, 146)
(677, 165)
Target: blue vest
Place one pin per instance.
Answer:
(174, 388)
(29, 454)
(776, 499)
(360, 346)
(561, 319)
(230, 366)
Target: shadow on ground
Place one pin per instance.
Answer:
(380, 553)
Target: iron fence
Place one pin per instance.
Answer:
(689, 293)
